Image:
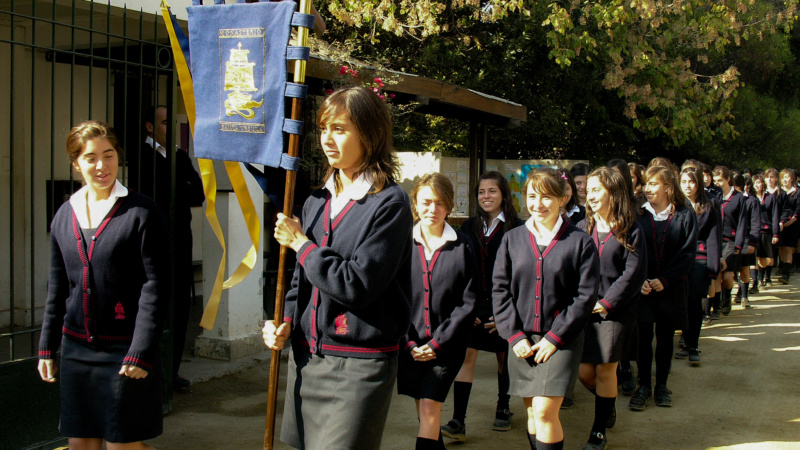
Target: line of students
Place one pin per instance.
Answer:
(376, 299)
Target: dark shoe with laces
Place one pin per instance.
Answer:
(663, 396)
(612, 419)
(683, 354)
(706, 320)
(754, 289)
(502, 420)
(628, 385)
(567, 403)
(597, 441)
(455, 430)
(715, 315)
(640, 398)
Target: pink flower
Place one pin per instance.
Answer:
(375, 90)
(381, 97)
(391, 95)
(328, 91)
(353, 73)
(377, 80)
(343, 70)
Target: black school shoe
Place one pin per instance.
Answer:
(455, 430)
(640, 398)
(663, 396)
(597, 441)
(502, 420)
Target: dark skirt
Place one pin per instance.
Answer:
(765, 248)
(789, 235)
(606, 341)
(667, 307)
(731, 259)
(550, 379)
(429, 379)
(98, 402)
(336, 402)
(481, 339)
(747, 260)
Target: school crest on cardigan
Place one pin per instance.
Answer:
(341, 324)
(119, 311)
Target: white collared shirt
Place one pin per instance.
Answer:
(601, 225)
(449, 234)
(158, 147)
(487, 231)
(573, 211)
(79, 198)
(543, 237)
(660, 216)
(791, 191)
(356, 191)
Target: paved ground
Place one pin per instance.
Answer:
(746, 394)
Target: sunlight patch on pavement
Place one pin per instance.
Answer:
(723, 338)
(747, 334)
(776, 325)
(787, 349)
(766, 445)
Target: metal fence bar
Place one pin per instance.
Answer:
(11, 234)
(32, 289)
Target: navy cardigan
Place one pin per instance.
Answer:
(671, 255)
(444, 291)
(770, 215)
(112, 288)
(486, 255)
(709, 240)
(551, 293)
(752, 219)
(791, 206)
(351, 289)
(622, 272)
(734, 223)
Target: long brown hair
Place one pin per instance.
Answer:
(373, 121)
(506, 207)
(620, 207)
(667, 177)
(701, 203)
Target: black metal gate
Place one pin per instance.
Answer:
(61, 62)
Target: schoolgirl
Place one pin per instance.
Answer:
(769, 231)
(545, 287)
(706, 266)
(712, 190)
(574, 211)
(670, 229)
(444, 290)
(734, 232)
(790, 230)
(106, 302)
(579, 171)
(350, 300)
(496, 216)
(611, 222)
(752, 219)
(771, 177)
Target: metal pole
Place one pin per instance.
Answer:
(288, 202)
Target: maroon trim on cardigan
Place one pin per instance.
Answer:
(328, 229)
(137, 361)
(598, 244)
(302, 258)
(537, 308)
(485, 252)
(341, 348)
(511, 339)
(88, 259)
(426, 282)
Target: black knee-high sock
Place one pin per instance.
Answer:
(532, 441)
(440, 442)
(554, 446)
(427, 444)
(725, 299)
(707, 305)
(754, 276)
(603, 406)
(461, 392)
(716, 300)
(768, 273)
(503, 383)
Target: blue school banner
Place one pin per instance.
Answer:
(239, 55)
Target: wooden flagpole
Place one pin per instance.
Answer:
(288, 203)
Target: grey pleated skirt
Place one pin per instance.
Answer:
(334, 402)
(549, 379)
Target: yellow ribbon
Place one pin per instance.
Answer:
(209, 178)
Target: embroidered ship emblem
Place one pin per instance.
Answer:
(119, 311)
(239, 79)
(341, 324)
